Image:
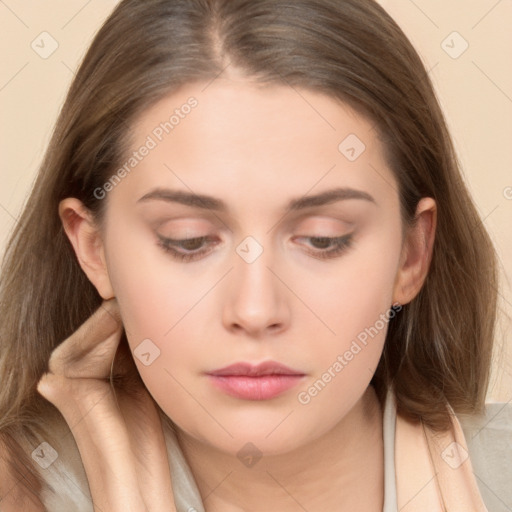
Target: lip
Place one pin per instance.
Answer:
(256, 370)
(263, 381)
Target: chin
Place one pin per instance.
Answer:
(257, 434)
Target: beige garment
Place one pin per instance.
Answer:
(418, 478)
(433, 471)
(454, 470)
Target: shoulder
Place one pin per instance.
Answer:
(52, 477)
(17, 482)
(489, 443)
(59, 464)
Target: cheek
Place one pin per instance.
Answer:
(355, 306)
(155, 299)
(352, 294)
(153, 291)
(154, 316)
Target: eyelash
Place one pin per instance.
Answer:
(167, 243)
(341, 244)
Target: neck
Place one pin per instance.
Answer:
(342, 470)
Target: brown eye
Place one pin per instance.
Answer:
(186, 249)
(191, 244)
(329, 247)
(322, 242)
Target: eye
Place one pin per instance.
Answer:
(191, 248)
(329, 247)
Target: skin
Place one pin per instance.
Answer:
(255, 149)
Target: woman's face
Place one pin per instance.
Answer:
(263, 178)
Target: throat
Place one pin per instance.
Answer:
(341, 470)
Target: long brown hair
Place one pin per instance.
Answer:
(439, 346)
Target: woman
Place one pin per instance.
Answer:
(261, 237)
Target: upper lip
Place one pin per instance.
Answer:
(256, 370)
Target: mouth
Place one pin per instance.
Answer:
(255, 382)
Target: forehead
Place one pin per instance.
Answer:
(238, 139)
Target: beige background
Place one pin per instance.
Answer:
(474, 87)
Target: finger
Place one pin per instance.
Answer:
(89, 351)
(125, 374)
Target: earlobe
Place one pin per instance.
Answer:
(416, 253)
(86, 240)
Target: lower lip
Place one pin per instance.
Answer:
(255, 388)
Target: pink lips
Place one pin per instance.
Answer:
(255, 382)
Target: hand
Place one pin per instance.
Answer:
(119, 435)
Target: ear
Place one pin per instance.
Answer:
(416, 252)
(86, 240)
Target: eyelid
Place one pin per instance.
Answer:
(166, 245)
(319, 222)
(339, 245)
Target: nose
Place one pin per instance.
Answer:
(256, 298)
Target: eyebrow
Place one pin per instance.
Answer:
(213, 203)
